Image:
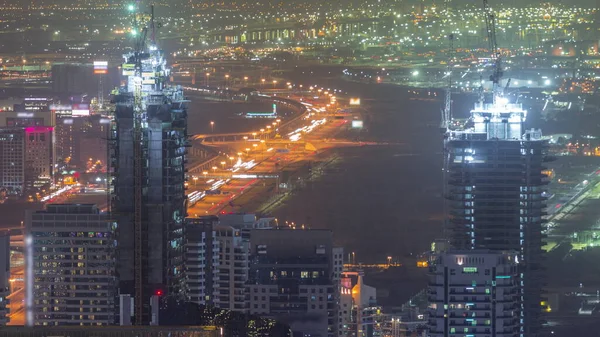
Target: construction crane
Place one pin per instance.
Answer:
(446, 112)
(496, 76)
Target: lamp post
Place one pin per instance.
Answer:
(246, 80)
(204, 173)
(226, 79)
(212, 126)
(247, 151)
(261, 132)
(214, 168)
(207, 76)
(195, 180)
(254, 135)
(245, 139)
(231, 160)
(262, 80)
(274, 83)
(223, 164)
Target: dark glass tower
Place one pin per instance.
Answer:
(149, 139)
(494, 186)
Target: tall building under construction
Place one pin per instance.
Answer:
(494, 191)
(148, 156)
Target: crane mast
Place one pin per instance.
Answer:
(446, 112)
(497, 73)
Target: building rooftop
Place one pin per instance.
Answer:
(71, 208)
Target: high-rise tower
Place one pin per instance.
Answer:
(149, 139)
(474, 293)
(494, 185)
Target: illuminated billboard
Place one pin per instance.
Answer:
(128, 69)
(356, 124)
(100, 67)
(81, 109)
(61, 109)
(354, 101)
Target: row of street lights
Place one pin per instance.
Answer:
(246, 79)
(268, 129)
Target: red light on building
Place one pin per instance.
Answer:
(158, 292)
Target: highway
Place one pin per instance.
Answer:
(576, 212)
(242, 190)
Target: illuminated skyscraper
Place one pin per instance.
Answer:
(148, 145)
(294, 276)
(70, 266)
(5, 284)
(494, 194)
(474, 293)
(26, 151)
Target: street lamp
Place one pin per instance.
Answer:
(245, 139)
(226, 79)
(263, 82)
(247, 150)
(389, 260)
(254, 135)
(261, 132)
(223, 164)
(231, 160)
(204, 173)
(246, 79)
(214, 168)
(195, 180)
(274, 83)
(262, 142)
(212, 126)
(207, 76)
